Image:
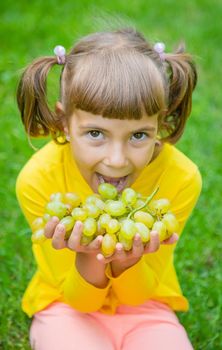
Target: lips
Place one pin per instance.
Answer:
(118, 182)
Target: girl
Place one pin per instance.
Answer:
(123, 104)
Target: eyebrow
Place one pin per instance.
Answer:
(91, 126)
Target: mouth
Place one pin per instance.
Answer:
(119, 182)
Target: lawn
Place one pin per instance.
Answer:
(31, 29)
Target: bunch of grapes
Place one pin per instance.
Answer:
(117, 217)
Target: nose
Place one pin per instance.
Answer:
(116, 156)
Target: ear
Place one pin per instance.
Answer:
(59, 109)
(158, 143)
(61, 114)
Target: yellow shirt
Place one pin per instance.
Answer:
(52, 169)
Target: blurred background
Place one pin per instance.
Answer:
(32, 29)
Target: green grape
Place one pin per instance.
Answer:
(113, 226)
(115, 208)
(111, 214)
(128, 229)
(37, 224)
(145, 218)
(160, 206)
(143, 231)
(100, 230)
(92, 210)
(79, 214)
(46, 217)
(96, 200)
(122, 218)
(68, 208)
(38, 236)
(139, 202)
(160, 227)
(107, 191)
(56, 208)
(92, 197)
(170, 222)
(129, 196)
(58, 196)
(90, 226)
(68, 222)
(100, 204)
(85, 240)
(108, 244)
(72, 199)
(126, 243)
(104, 219)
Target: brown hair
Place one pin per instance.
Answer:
(117, 75)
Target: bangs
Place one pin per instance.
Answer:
(116, 84)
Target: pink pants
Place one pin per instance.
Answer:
(151, 326)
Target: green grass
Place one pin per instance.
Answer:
(31, 29)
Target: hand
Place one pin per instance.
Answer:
(121, 260)
(85, 261)
(56, 232)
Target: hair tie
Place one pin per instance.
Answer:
(60, 53)
(160, 49)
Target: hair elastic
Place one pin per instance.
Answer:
(60, 53)
(160, 49)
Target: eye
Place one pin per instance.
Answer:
(95, 134)
(139, 136)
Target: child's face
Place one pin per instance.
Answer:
(110, 149)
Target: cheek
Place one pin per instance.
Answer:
(77, 152)
(83, 156)
(145, 156)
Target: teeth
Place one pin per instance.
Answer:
(101, 179)
(114, 182)
(120, 185)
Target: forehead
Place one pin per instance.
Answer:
(83, 120)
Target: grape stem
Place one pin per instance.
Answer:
(148, 200)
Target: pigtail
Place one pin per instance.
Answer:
(36, 115)
(182, 81)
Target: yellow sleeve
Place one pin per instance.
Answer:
(139, 282)
(31, 195)
(82, 295)
(185, 199)
(136, 284)
(57, 267)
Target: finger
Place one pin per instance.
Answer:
(100, 257)
(120, 253)
(96, 243)
(58, 239)
(50, 226)
(172, 239)
(75, 237)
(154, 243)
(137, 246)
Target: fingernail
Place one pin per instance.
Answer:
(61, 227)
(99, 240)
(154, 233)
(119, 246)
(78, 224)
(99, 257)
(54, 219)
